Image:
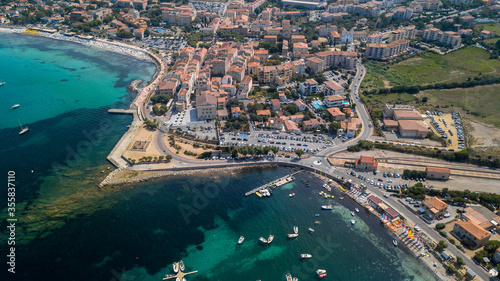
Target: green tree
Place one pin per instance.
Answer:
(274, 150)
(334, 126)
(450, 269)
(460, 261)
(440, 226)
(441, 245)
(150, 124)
(299, 152)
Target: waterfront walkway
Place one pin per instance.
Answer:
(279, 182)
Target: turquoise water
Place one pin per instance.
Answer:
(317, 105)
(69, 229)
(48, 78)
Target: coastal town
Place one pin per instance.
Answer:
(314, 86)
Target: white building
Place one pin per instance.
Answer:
(310, 87)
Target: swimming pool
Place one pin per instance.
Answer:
(243, 135)
(318, 105)
(160, 31)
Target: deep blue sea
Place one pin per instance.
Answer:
(68, 229)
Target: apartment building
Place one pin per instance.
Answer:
(315, 64)
(382, 51)
(276, 74)
(309, 87)
(206, 106)
(332, 88)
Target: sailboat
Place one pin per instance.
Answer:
(23, 130)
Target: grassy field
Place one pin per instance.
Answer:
(481, 103)
(378, 101)
(494, 26)
(431, 68)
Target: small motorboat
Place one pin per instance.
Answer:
(296, 229)
(317, 222)
(270, 239)
(291, 195)
(341, 198)
(295, 279)
(289, 277)
(327, 207)
(357, 210)
(181, 266)
(311, 230)
(305, 256)
(317, 215)
(177, 279)
(176, 267)
(263, 240)
(292, 235)
(352, 214)
(353, 221)
(15, 106)
(321, 273)
(241, 240)
(258, 194)
(395, 242)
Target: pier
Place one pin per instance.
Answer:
(122, 111)
(180, 275)
(279, 182)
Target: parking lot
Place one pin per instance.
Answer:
(186, 121)
(329, 75)
(166, 44)
(449, 126)
(285, 142)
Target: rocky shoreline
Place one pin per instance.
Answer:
(122, 181)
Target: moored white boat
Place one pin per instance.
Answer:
(353, 221)
(305, 256)
(263, 240)
(357, 210)
(177, 279)
(311, 230)
(292, 235)
(241, 240)
(270, 239)
(395, 242)
(15, 106)
(327, 207)
(2, 83)
(321, 273)
(181, 266)
(288, 277)
(291, 194)
(296, 229)
(23, 130)
(352, 213)
(176, 267)
(295, 279)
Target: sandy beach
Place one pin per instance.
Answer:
(118, 48)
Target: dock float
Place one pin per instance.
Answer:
(279, 182)
(180, 275)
